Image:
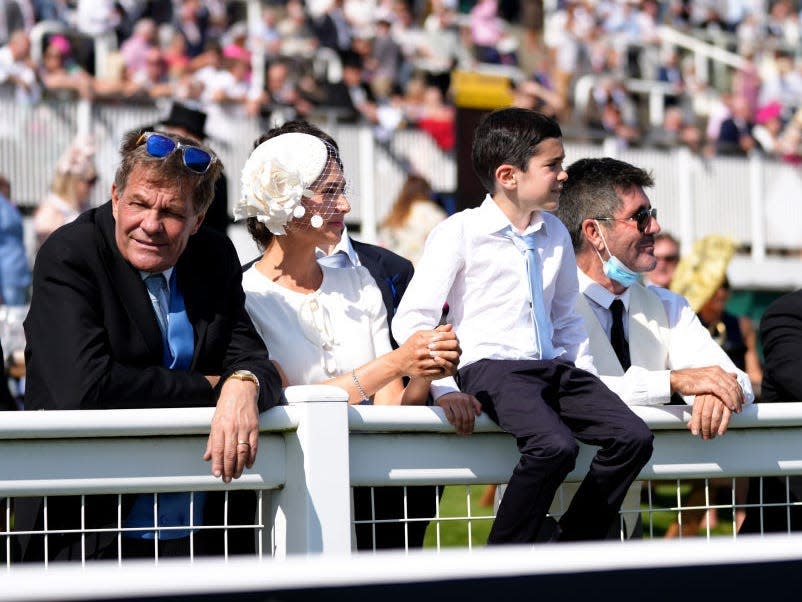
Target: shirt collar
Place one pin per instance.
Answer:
(345, 246)
(167, 274)
(597, 293)
(493, 220)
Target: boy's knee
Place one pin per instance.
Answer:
(639, 439)
(559, 448)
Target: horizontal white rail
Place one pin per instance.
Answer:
(238, 577)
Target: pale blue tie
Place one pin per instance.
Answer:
(157, 286)
(339, 259)
(527, 245)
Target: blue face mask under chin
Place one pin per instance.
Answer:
(614, 269)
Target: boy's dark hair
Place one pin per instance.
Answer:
(509, 136)
(257, 229)
(591, 191)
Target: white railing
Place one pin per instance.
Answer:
(680, 571)
(314, 450)
(702, 51)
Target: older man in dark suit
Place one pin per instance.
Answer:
(135, 305)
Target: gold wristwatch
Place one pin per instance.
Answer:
(246, 375)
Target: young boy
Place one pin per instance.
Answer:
(524, 348)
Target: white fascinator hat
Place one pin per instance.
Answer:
(277, 176)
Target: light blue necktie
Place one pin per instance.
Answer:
(157, 286)
(177, 344)
(527, 245)
(339, 259)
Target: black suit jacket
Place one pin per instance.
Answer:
(93, 341)
(6, 401)
(391, 272)
(781, 336)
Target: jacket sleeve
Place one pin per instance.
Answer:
(246, 349)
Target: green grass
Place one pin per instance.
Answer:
(455, 533)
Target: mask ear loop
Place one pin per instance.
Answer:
(606, 248)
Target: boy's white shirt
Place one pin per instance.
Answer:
(471, 263)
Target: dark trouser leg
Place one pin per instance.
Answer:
(545, 462)
(514, 394)
(599, 417)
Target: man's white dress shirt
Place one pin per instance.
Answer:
(688, 344)
(470, 262)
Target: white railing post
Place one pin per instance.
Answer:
(258, 59)
(311, 514)
(367, 185)
(84, 117)
(757, 202)
(685, 175)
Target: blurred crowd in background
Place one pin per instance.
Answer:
(389, 62)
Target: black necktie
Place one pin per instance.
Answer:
(617, 338)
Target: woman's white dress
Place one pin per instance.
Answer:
(320, 335)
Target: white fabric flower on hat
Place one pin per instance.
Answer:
(277, 176)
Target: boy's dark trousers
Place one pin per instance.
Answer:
(547, 405)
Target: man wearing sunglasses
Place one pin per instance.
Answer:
(655, 346)
(647, 343)
(135, 306)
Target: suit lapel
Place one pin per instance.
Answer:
(128, 284)
(192, 286)
(375, 266)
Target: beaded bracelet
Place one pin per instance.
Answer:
(365, 399)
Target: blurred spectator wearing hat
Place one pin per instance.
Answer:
(70, 189)
(191, 123)
(60, 74)
(776, 139)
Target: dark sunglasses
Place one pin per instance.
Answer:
(642, 218)
(160, 145)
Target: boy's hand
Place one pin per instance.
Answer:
(461, 410)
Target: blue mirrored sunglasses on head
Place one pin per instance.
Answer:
(161, 145)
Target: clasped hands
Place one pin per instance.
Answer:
(431, 354)
(718, 396)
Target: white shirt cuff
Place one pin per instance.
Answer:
(441, 386)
